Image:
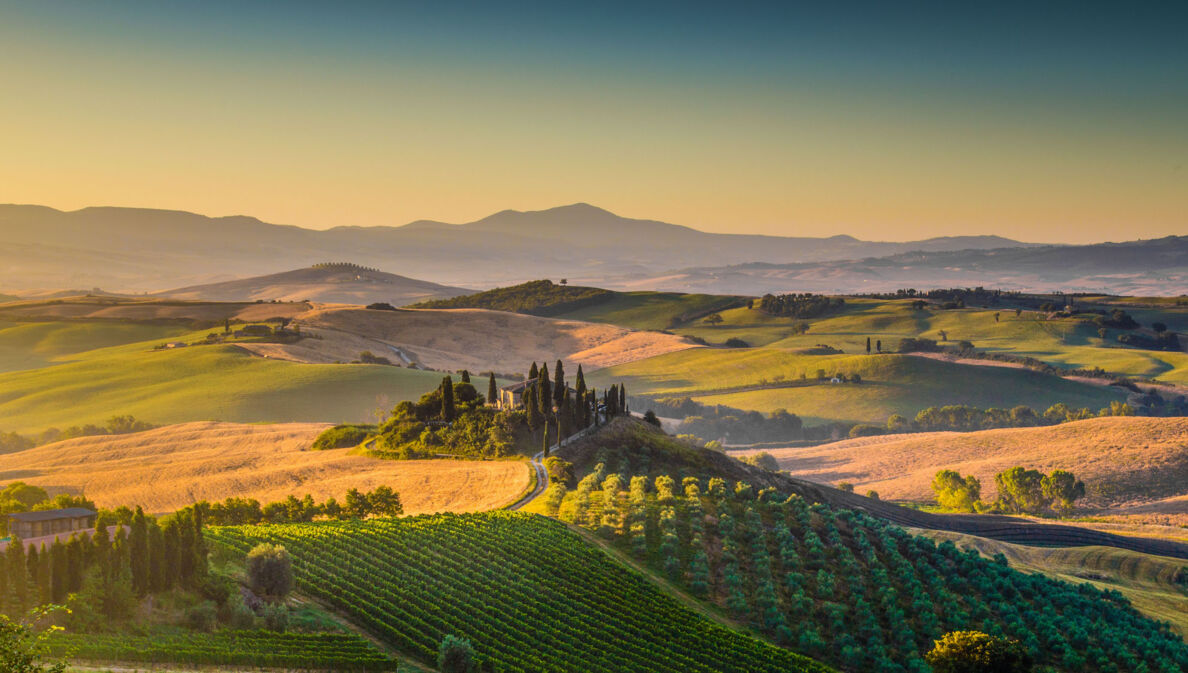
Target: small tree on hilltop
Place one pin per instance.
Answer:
(977, 652)
(270, 570)
(456, 655)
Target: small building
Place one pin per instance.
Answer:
(26, 525)
(176, 344)
(512, 396)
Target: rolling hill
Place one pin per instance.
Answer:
(473, 339)
(324, 283)
(766, 379)
(171, 467)
(133, 249)
(1121, 460)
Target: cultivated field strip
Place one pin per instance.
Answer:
(530, 594)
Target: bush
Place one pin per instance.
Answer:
(342, 437)
(269, 570)
(202, 617)
(276, 618)
(560, 471)
(650, 417)
(381, 306)
(735, 342)
(456, 655)
(863, 430)
(976, 652)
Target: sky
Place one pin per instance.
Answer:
(887, 121)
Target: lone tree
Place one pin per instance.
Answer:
(270, 570)
(532, 372)
(492, 391)
(465, 376)
(977, 652)
(456, 655)
(868, 345)
(713, 319)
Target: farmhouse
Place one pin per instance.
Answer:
(27, 525)
(512, 396)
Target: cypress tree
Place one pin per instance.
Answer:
(532, 371)
(559, 384)
(156, 555)
(531, 407)
(447, 399)
(544, 392)
(492, 391)
(172, 548)
(139, 553)
(544, 449)
(868, 345)
(101, 546)
(564, 417)
(465, 376)
(622, 399)
(45, 571)
(879, 345)
(59, 573)
(200, 554)
(33, 566)
(75, 561)
(583, 416)
(18, 574)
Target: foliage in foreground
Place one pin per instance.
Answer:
(24, 648)
(325, 651)
(977, 652)
(529, 594)
(854, 591)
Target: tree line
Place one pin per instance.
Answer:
(116, 425)
(964, 418)
(1020, 491)
(804, 305)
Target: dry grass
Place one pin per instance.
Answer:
(1123, 461)
(108, 308)
(473, 339)
(173, 466)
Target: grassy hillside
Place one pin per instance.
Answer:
(538, 297)
(171, 467)
(765, 379)
(1121, 460)
(222, 383)
(1071, 343)
(33, 345)
(526, 591)
(653, 310)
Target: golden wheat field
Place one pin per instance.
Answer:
(1123, 461)
(170, 467)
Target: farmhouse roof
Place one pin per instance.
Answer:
(516, 387)
(51, 514)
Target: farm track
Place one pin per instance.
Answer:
(1004, 528)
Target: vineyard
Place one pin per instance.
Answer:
(317, 651)
(851, 590)
(530, 595)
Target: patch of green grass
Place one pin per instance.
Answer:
(892, 384)
(651, 310)
(198, 383)
(34, 345)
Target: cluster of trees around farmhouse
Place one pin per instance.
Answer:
(1020, 491)
(454, 419)
(116, 425)
(805, 305)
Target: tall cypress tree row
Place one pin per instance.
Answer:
(139, 551)
(583, 418)
(45, 572)
(492, 391)
(559, 384)
(622, 399)
(172, 547)
(157, 580)
(75, 559)
(18, 575)
(200, 552)
(59, 572)
(447, 399)
(33, 567)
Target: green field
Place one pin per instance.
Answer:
(766, 379)
(650, 310)
(197, 383)
(40, 344)
(529, 593)
(1071, 343)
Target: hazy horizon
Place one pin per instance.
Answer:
(1064, 124)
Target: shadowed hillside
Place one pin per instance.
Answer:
(326, 283)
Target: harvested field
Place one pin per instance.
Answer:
(473, 339)
(173, 466)
(1124, 461)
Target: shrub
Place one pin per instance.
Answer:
(650, 417)
(956, 493)
(456, 655)
(342, 437)
(863, 430)
(560, 471)
(735, 342)
(976, 652)
(202, 616)
(381, 306)
(276, 618)
(270, 570)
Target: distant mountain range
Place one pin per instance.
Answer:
(1157, 267)
(326, 283)
(141, 250)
